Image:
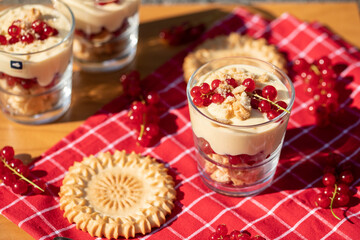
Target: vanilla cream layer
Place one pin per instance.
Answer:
(241, 136)
(41, 59)
(92, 18)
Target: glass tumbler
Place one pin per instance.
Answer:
(256, 147)
(35, 60)
(106, 33)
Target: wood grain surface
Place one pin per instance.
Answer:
(91, 91)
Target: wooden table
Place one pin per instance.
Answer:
(91, 91)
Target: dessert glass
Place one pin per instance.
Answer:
(106, 33)
(36, 77)
(257, 146)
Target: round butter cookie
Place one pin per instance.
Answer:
(232, 45)
(117, 195)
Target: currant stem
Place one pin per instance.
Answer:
(332, 201)
(262, 98)
(315, 69)
(20, 175)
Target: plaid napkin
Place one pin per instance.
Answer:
(286, 210)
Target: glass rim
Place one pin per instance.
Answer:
(66, 38)
(281, 72)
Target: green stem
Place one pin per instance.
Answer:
(332, 202)
(20, 175)
(315, 69)
(262, 98)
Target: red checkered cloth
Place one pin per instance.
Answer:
(285, 210)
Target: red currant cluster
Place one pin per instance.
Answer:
(261, 99)
(15, 174)
(143, 114)
(221, 233)
(336, 180)
(39, 30)
(182, 33)
(320, 80)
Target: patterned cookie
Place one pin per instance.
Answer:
(230, 46)
(117, 195)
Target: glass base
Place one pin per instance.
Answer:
(110, 54)
(58, 99)
(245, 191)
(251, 179)
(109, 65)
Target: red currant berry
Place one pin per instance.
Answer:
(8, 178)
(7, 152)
(204, 88)
(3, 40)
(138, 108)
(14, 30)
(27, 38)
(152, 98)
(135, 119)
(23, 170)
(235, 234)
(214, 236)
(328, 191)
(264, 106)
(217, 98)
(152, 129)
(269, 92)
(310, 90)
(342, 188)
(198, 101)
(271, 114)
(215, 83)
(258, 92)
(195, 92)
(254, 103)
(48, 31)
(19, 187)
(281, 104)
(323, 62)
(244, 237)
(37, 25)
(222, 229)
(312, 79)
(13, 40)
(245, 232)
(204, 146)
(234, 159)
(328, 179)
(206, 101)
(249, 84)
(346, 177)
(322, 201)
(341, 200)
(144, 140)
(232, 82)
(300, 64)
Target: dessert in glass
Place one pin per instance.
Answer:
(35, 60)
(239, 109)
(106, 33)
